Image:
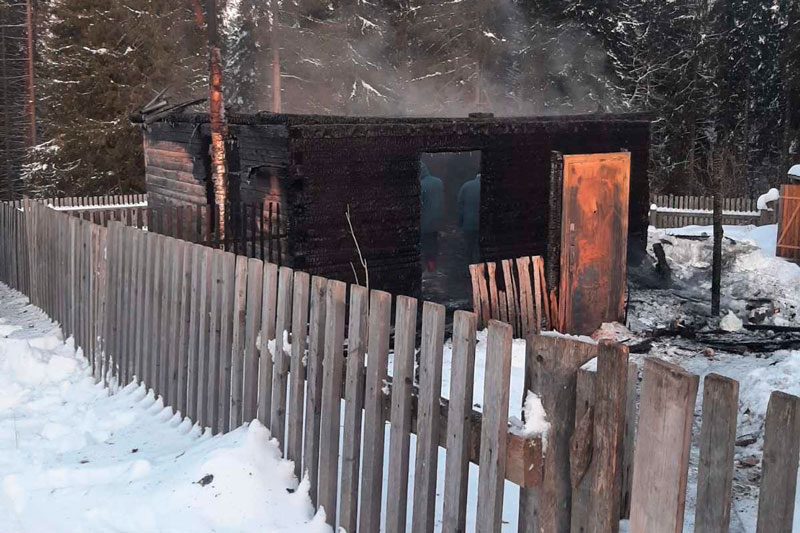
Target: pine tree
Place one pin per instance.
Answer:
(100, 61)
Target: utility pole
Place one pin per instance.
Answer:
(219, 126)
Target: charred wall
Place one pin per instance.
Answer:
(177, 163)
(372, 166)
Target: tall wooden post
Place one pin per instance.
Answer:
(219, 127)
(276, 106)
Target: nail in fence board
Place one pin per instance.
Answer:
(297, 385)
(400, 434)
(266, 355)
(462, 373)
(255, 287)
(494, 428)
(430, 387)
(280, 376)
(661, 458)
(372, 468)
(226, 342)
(239, 342)
(551, 372)
(779, 464)
(717, 447)
(354, 405)
(609, 433)
(316, 342)
(332, 368)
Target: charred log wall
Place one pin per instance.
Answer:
(373, 168)
(177, 164)
(263, 161)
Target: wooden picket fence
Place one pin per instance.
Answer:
(677, 211)
(208, 330)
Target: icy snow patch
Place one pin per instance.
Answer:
(770, 196)
(731, 323)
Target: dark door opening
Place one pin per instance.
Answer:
(449, 226)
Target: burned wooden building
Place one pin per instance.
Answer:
(314, 169)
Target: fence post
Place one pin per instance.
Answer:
(717, 444)
(494, 428)
(430, 386)
(662, 448)
(333, 365)
(400, 434)
(779, 464)
(316, 344)
(294, 435)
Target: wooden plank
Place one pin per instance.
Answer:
(280, 379)
(269, 300)
(227, 326)
(582, 467)
(255, 288)
(485, 312)
(609, 433)
(193, 334)
(239, 342)
(551, 372)
(631, 415)
(400, 433)
(462, 373)
(539, 294)
(527, 307)
(494, 429)
(354, 405)
(491, 272)
(214, 328)
(184, 329)
(373, 445)
(430, 387)
(165, 323)
(512, 296)
(779, 464)
(332, 365)
(501, 298)
(294, 432)
(662, 448)
(204, 327)
(717, 448)
(474, 277)
(175, 322)
(316, 343)
(140, 283)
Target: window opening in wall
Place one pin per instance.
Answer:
(449, 225)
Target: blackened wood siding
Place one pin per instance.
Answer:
(176, 164)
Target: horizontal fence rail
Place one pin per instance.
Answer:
(89, 202)
(226, 338)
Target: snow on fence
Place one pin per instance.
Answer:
(669, 211)
(226, 339)
(89, 202)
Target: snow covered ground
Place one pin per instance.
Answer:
(74, 457)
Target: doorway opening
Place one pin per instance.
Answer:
(449, 226)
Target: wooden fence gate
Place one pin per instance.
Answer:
(788, 245)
